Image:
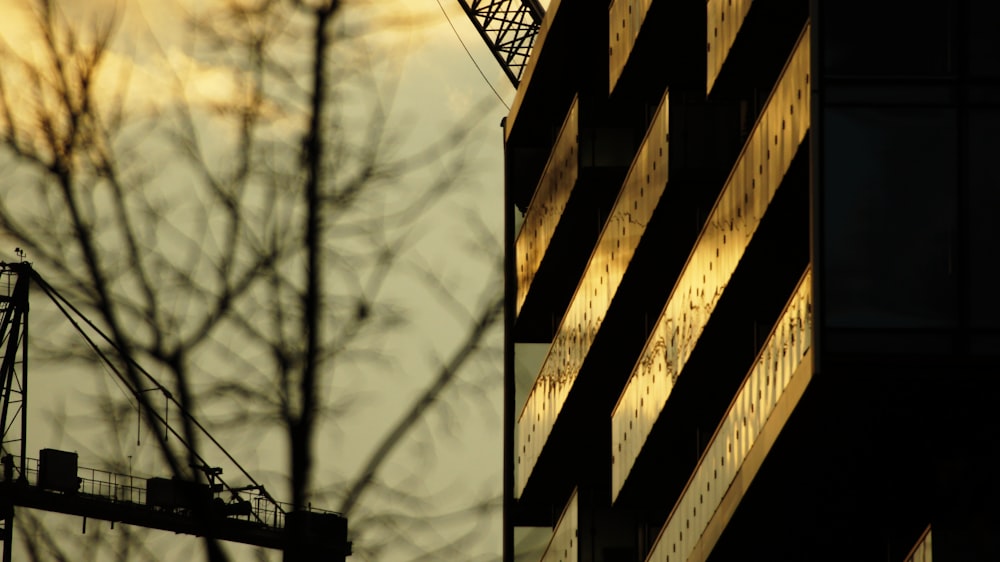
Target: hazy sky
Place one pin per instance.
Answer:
(438, 84)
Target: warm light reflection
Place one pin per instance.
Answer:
(725, 18)
(565, 543)
(784, 356)
(144, 69)
(155, 60)
(752, 184)
(548, 203)
(922, 550)
(624, 21)
(639, 196)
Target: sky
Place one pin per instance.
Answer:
(436, 82)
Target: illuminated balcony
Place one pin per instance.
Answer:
(755, 418)
(588, 525)
(624, 20)
(725, 17)
(540, 58)
(746, 41)
(736, 216)
(565, 543)
(546, 208)
(654, 45)
(616, 246)
(579, 183)
(560, 67)
(922, 551)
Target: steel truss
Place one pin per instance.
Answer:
(509, 28)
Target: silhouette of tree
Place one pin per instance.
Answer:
(237, 208)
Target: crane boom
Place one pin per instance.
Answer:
(182, 503)
(509, 28)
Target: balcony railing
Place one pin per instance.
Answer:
(639, 196)
(738, 211)
(747, 430)
(922, 550)
(565, 543)
(548, 203)
(725, 17)
(624, 20)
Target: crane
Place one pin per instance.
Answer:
(207, 507)
(509, 28)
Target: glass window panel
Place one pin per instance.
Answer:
(889, 217)
(861, 37)
(984, 205)
(984, 41)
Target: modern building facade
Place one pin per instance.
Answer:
(752, 282)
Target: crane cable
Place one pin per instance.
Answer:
(481, 73)
(56, 297)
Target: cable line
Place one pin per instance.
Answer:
(481, 73)
(59, 300)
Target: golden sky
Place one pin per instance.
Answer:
(436, 82)
(152, 43)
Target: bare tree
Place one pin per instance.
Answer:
(246, 241)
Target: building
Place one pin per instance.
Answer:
(758, 254)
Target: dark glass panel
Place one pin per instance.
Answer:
(861, 37)
(889, 205)
(984, 206)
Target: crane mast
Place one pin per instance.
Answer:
(509, 28)
(14, 357)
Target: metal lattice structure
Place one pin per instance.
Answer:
(180, 503)
(15, 279)
(509, 28)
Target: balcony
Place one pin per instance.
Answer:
(574, 195)
(922, 551)
(727, 233)
(624, 20)
(641, 63)
(756, 416)
(560, 66)
(565, 543)
(616, 246)
(725, 18)
(546, 208)
(605, 531)
(551, 21)
(745, 43)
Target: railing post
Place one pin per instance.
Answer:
(8, 468)
(8, 535)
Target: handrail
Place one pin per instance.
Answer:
(115, 487)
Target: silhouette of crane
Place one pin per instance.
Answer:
(509, 28)
(203, 506)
